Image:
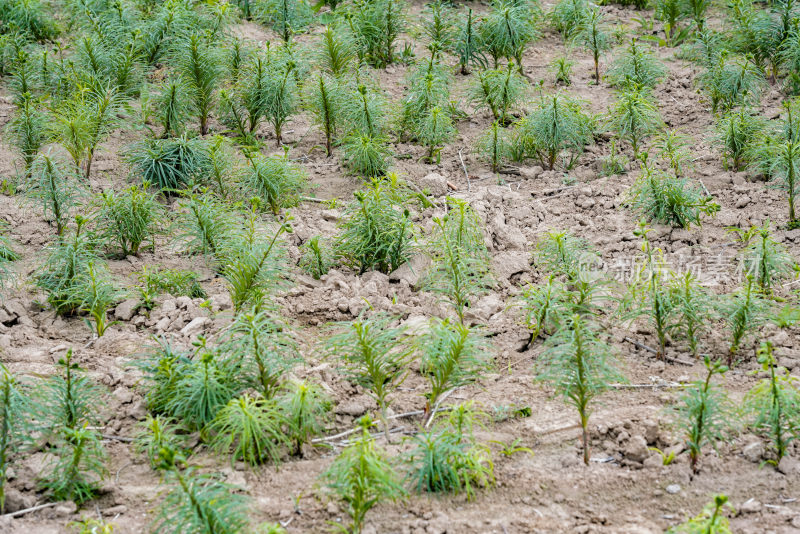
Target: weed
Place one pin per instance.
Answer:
(306, 408)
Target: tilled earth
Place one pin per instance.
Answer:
(626, 489)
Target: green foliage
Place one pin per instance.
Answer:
(435, 129)
(154, 281)
(317, 257)
(69, 399)
(580, 366)
(130, 217)
(469, 46)
(280, 93)
(376, 25)
(773, 405)
(67, 261)
(568, 17)
(561, 253)
(544, 307)
(77, 467)
(364, 111)
(702, 411)
(275, 180)
(594, 38)
(634, 116)
(697, 9)
(92, 526)
(200, 69)
(736, 132)
(255, 270)
(82, 122)
(249, 429)
(711, 520)
(452, 356)
(660, 197)
(26, 131)
(168, 164)
(460, 267)
(54, 189)
(172, 107)
(261, 349)
(198, 502)
(501, 91)
(93, 292)
(366, 155)
(373, 355)
(323, 98)
(732, 81)
(156, 433)
(670, 13)
(376, 229)
(650, 295)
(443, 462)
(361, 477)
(206, 226)
(779, 159)
(763, 258)
(636, 67)
(307, 409)
(558, 130)
(672, 148)
(562, 69)
(337, 52)
(200, 388)
(31, 18)
(14, 408)
(743, 312)
(693, 306)
(285, 16)
(613, 163)
(509, 27)
(494, 146)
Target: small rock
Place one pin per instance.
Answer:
(672, 489)
(114, 511)
(789, 466)
(411, 271)
(507, 264)
(743, 202)
(355, 407)
(123, 395)
(753, 452)
(195, 326)
(653, 461)
(126, 309)
(750, 506)
(636, 449)
(435, 183)
(484, 309)
(66, 508)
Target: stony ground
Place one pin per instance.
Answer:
(626, 489)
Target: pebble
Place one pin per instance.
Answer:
(672, 489)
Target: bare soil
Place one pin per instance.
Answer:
(549, 491)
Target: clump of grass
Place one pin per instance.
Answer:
(712, 519)
(154, 281)
(376, 229)
(500, 90)
(562, 69)
(168, 164)
(557, 131)
(702, 411)
(452, 356)
(661, 197)
(460, 270)
(374, 355)
(773, 405)
(198, 502)
(595, 38)
(156, 433)
(14, 410)
(736, 133)
(131, 217)
(508, 29)
(249, 429)
(55, 190)
(580, 366)
(361, 477)
(743, 312)
(317, 257)
(306, 408)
